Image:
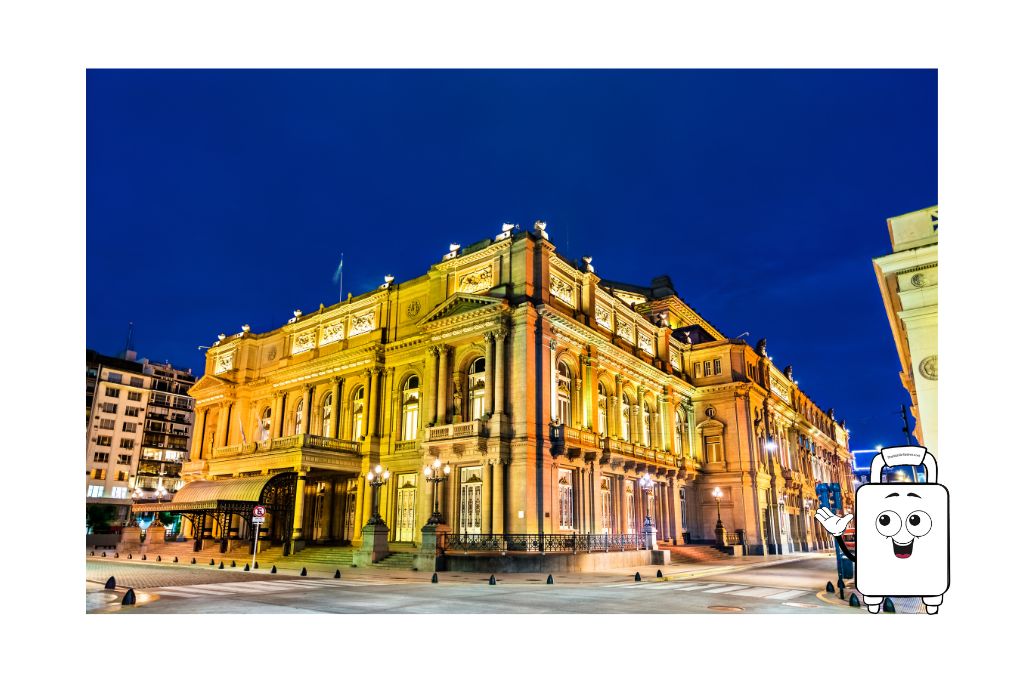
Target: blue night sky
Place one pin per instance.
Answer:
(217, 198)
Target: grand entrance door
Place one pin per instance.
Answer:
(349, 532)
(470, 501)
(405, 514)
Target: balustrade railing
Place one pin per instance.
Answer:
(457, 430)
(294, 441)
(540, 543)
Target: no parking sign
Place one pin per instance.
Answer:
(259, 514)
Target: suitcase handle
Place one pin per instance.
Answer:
(904, 455)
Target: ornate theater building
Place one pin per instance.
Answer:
(561, 403)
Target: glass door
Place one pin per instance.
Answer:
(470, 501)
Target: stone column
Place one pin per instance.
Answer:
(307, 427)
(486, 498)
(300, 498)
(663, 423)
(553, 375)
(499, 370)
(430, 386)
(620, 481)
(336, 391)
(442, 384)
(615, 415)
(597, 498)
(498, 498)
(488, 374)
(357, 524)
(374, 403)
(198, 436)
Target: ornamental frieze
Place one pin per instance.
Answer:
(363, 323)
(303, 341)
(645, 342)
(562, 290)
(224, 363)
(626, 331)
(603, 317)
(476, 281)
(332, 333)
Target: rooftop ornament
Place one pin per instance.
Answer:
(221, 336)
(453, 251)
(245, 328)
(540, 227)
(506, 231)
(388, 279)
(587, 262)
(297, 312)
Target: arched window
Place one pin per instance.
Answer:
(263, 426)
(476, 388)
(410, 408)
(358, 413)
(564, 394)
(625, 432)
(602, 411)
(646, 426)
(680, 427)
(299, 410)
(325, 424)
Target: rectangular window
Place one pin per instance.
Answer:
(134, 395)
(113, 392)
(128, 444)
(707, 368)
(99, 473)
(713, 448)
(103, 440)
(718, 366)
(696, 369)
(122, 475)
(129, 427)
(100, 456)
(124, 459)
(106, 423)
(95, 491)
(119, 492)
(131, 411)
(565, 499)
(114, 377)
(109, 407)
(136, 382)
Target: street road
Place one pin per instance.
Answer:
(779, 588)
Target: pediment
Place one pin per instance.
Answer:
(208, 383)
(460, 304)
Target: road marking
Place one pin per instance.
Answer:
(786, 595)
(757, 592)
(724, 589)
(254, 587)
(698, 586)
(657, 586)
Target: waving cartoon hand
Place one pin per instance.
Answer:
(833, 524)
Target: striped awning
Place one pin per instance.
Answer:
(206, 495)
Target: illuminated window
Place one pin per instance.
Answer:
(564, 394)
(606, 505)
(679, 429)
(358, 417)
(410, 408)
(626, 408)
(647, 435)
(630, 509)
(299, 410)
(565, 499)
(95, 491)
(263, 428)
(476, 388)
(122, 475)
(118, 491)
(99, 473)
(325, 423)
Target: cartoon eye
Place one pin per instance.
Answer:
(919, 523)
(888, 523)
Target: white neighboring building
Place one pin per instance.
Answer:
(909, 281)
(138, 427)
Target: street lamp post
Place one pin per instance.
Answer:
(376, 478)
(719, 527)
(650, 532)
(435, 474)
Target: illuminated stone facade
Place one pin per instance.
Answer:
(909, 281)
(548, 390)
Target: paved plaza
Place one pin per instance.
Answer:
(793, 584)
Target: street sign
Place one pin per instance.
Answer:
(259, 511)
(259, 520)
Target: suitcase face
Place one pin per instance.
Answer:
(902, 539)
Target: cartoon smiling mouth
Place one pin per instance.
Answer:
(902, 551)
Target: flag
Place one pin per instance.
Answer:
(337, 273)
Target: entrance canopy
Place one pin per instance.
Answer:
(237, 495)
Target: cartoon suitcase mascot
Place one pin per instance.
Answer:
(902, 533)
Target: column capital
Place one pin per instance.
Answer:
(337, 379)
(489, 336)
(553, 344)
(500, 333)
(442, 348)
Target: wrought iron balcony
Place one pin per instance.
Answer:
(539, 543)
(459, 430)
(637, 452)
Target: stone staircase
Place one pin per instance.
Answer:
(694, 553)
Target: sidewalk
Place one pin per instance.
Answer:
(99, 568)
